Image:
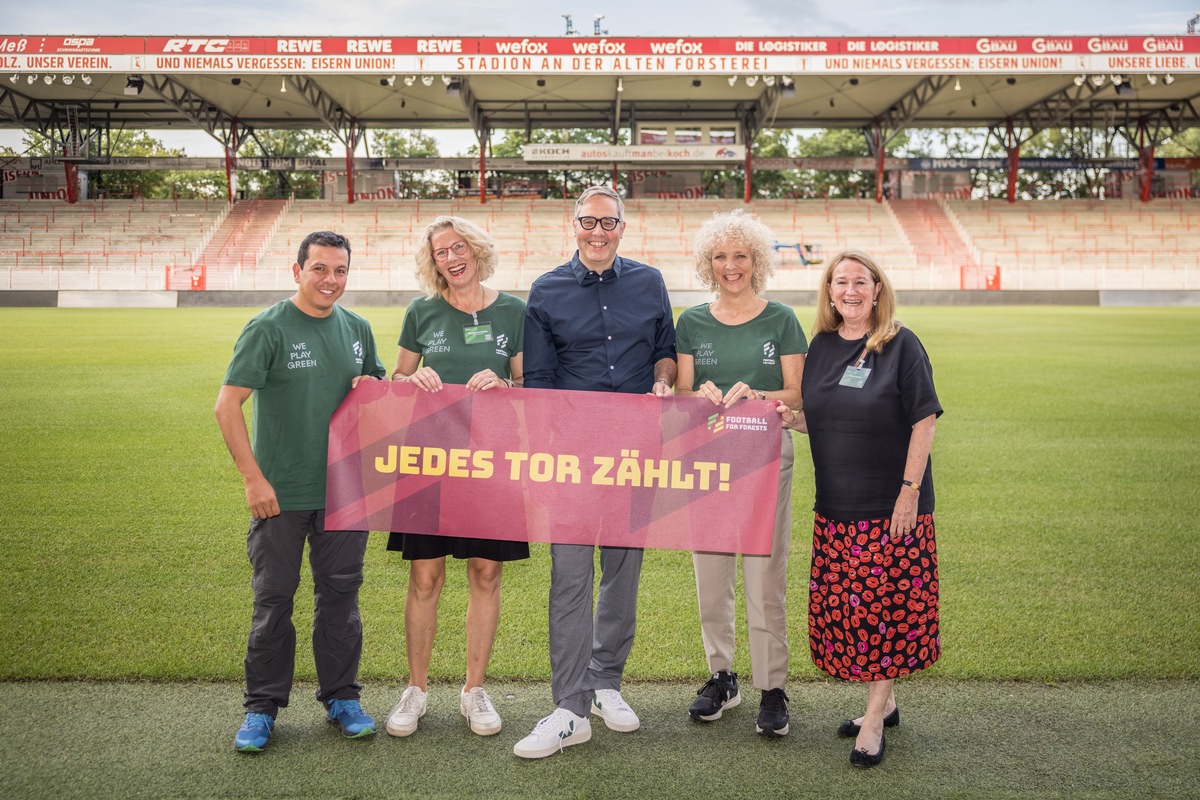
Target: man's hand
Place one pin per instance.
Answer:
(260, 497)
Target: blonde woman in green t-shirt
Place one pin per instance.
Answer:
(460, 332)
(742, 346)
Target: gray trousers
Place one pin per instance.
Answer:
(588, 652)
(765, 582)
(275, 547)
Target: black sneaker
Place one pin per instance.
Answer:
(720, 693)
(772, 713)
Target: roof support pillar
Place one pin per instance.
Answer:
(351, 141)
(483, 140)
(1012, 147)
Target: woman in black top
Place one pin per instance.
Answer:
(869, 411)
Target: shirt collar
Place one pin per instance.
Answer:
(586, 277)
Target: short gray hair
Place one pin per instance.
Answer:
(603, 191)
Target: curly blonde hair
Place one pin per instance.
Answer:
(884, 324)
(735, 227)
(477, 239)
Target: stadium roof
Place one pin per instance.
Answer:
(56, 84)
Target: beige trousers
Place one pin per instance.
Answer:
(765, 582)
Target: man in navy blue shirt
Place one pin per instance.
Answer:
(598, 323)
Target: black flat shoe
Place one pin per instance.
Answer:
(850, 730)
(861, 758)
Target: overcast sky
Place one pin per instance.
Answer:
(622, 18)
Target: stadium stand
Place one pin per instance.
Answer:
(105, 244)
(1094, 244)
(924, 244)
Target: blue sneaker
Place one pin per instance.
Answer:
(349, 715)
(255, 731)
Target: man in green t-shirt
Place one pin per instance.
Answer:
(298, 359)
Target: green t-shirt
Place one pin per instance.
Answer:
(749, 352)
(440, 333)
(300, 368)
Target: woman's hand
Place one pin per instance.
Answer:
(427, 379)
(485, 379)
(792, 418)
(904, 515)
(709, 391)
(737, 392)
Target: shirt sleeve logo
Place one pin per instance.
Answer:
(769, 351)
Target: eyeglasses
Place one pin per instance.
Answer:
(589, 223)
(458, 248)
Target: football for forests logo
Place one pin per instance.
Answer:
(358, 353)
(716, 423)
(769, 354)
(502, 344)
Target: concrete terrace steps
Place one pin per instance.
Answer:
(238, 243)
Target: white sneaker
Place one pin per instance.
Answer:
(477, 707)
(403, 719)
(553, 733)
(617, 714)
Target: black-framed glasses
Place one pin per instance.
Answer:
(607, 223)
(458, 248)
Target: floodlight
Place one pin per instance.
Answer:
(732, 80)
(751, 80)
(408, 80)
(427, 80)
(1167, 79)
(1080, 80)
(769, 80)
(1117, 80)
(957, 85)
(282, 86)
(14, 78)
(31, 79)
(133, 85)
(68, 80)
(87, 79)
(49, 79)
(1151, 79)
(1098, 80)
(620, 84)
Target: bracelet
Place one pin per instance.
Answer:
(508, 382)
(664, 382)
(914, 486)
(761, 394)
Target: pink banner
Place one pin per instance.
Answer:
(555, 466)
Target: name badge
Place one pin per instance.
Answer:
(855, 377)
(478, 334)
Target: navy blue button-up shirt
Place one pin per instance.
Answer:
(599, 333)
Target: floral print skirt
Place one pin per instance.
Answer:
(873, 600)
